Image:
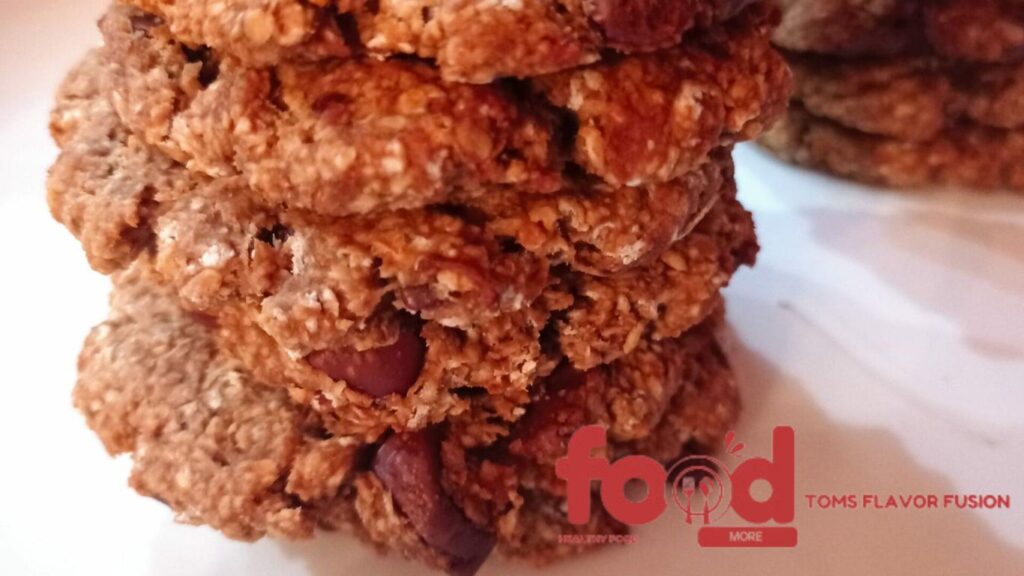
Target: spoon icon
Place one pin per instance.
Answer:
(705, 490)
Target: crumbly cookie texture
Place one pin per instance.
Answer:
(211, 444)
(221, 448)
(107, 214)
(639, 401)
(340, 137)
(471, 41)
(482, 376)
(610, 316)
(300, 298)
(451, 263)
(654, 117)
(354, 136)
(910, 99)
(966, 154)
(969, 30)
(119, 196)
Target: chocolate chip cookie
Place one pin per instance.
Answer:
(355, 136)
(375, 262)
(470, 41)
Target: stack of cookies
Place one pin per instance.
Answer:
(375, 262)
(906, 93)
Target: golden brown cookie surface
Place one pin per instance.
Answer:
(454, 298)
(471, 41)
(356, 136)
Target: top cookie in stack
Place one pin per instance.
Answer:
(906, 92)
(467, 40)
(428, 240)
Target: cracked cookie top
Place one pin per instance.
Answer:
(357, 136)
(470, 40)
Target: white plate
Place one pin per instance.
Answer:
(886, 328)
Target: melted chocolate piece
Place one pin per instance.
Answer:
(409, 465)
(643, 24)
(378, 372)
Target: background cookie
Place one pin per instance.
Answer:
(909, 99)
(966, 155)
(968, 30)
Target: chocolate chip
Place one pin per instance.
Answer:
(275, 94)
(409, 465)
(565, 377)
(509, 245)
(377, 372)
(210, 68)
(348, 26)
(469, 392)
(542, 434)
(642, 24)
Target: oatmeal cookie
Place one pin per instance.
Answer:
(471, 41)
(301, 299)
(653, 117)
(850, 27)
(483, 371)
(649, 404)
(482, 375)
(909, 99)
(610, 316)
(355, 136)
(976, 30)
(337, 138)
(966, 154)
(221, 448)
(123, 199)
(456, 264)
(394, 372)
(969, 30)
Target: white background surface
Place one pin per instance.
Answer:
(887, 329)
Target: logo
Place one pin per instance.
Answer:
(703, 489)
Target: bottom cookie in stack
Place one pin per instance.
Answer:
(906, 122)
(224, 449)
